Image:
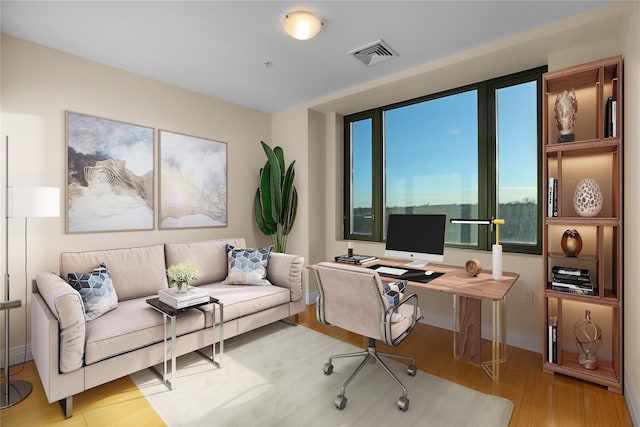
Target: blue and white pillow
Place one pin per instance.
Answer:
(247, 266)
(97, 291)
(392, 294)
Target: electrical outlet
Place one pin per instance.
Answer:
(527, 297)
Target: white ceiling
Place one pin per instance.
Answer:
(219, 48)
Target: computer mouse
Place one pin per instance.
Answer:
(428, 272)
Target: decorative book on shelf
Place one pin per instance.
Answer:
(572, 280)
(552, 198)
(176, 299)
(553, 339)
(355, 259)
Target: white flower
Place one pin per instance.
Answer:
(180, 273)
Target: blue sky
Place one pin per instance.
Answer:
(431, 150)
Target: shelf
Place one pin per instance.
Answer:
(578, 148)
(581, 220)
(598, 157)
(608, 299)
(605, 374)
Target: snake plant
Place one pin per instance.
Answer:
(276, 199)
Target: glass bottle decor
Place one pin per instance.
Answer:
(571, 243)
(588, 339)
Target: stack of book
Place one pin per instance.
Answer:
(177, 300)
(573, 280)
(355, 259)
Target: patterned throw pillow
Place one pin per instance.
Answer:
(393, 293)
(97, 291)
(247, 266)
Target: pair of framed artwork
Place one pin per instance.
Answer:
(111, 170)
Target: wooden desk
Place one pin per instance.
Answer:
(468, 293)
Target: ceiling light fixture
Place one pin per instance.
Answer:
(302, 25)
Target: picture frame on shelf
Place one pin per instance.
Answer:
(110, 170)
(193, 181)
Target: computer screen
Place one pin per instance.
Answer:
(419, 238)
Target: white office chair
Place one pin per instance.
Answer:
(353, 298)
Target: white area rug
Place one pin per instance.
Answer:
(273, 377)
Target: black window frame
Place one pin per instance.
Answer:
(487, 161)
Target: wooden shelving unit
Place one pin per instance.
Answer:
(593, 154)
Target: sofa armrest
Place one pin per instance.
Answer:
(66, 305)
(285, 270)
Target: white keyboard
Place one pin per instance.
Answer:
(390, 270)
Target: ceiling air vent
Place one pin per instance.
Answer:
(374, 53)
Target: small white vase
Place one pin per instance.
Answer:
(587, 198)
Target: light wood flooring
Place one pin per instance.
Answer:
(539, 399)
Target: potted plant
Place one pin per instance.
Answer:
(276, 200)
(180, 275)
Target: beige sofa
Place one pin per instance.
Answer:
(73, 355)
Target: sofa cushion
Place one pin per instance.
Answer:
(247, 266)
(96, 290)
(136, 272)
(209, 257)
(135, 324)
(392, 294)
(242, 300)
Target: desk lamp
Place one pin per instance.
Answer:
(27, 202)
(496, 249)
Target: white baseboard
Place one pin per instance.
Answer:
(17, 356)
(514, 338)
(312, 297)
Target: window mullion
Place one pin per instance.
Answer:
(378, 175)
(486, 165)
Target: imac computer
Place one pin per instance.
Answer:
(419, 238)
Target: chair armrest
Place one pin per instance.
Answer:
(67, 307)
(285, 270)
(410, 321)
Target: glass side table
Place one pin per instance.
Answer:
(171, 313)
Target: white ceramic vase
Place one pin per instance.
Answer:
(587, 198)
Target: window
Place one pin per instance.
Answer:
(470, 152)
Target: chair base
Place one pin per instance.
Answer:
(371, 355)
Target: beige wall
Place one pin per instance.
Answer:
(608, 32)
(631, 209)
(39, 84)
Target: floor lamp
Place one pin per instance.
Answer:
(27, 202)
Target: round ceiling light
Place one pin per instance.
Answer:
(302, 25)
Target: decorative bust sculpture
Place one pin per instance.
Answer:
(566, 108)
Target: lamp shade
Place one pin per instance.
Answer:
(36, 202)
(302, 25)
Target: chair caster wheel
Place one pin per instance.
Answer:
(411, 370)
(340, 402)
(327, 369)
(403, 403)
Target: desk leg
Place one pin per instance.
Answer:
(469, 329)
(498, 340)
